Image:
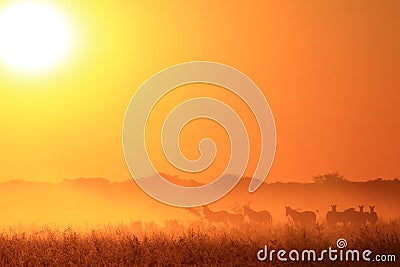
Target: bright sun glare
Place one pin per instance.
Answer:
(33, 36)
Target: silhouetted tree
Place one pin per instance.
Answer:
(333, 177)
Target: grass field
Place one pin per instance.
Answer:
(175, 244)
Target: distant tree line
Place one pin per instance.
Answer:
(329, 178)
(336, 177)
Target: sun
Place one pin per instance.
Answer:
(33, 36)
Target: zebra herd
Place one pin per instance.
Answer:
(306, 218)
(351, 216)
(233, 219)
(333, 217)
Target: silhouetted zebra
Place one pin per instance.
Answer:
(301, 217)
(257, 216)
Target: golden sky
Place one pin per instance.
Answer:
(329, 70)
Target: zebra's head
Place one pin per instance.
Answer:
(371, 209)
(246, 207)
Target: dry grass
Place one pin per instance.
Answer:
(174, 244)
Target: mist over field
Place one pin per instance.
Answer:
(97, 201)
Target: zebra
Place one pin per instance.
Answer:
(333, 216)
(372, 215)
(257, 216)
(302, 218)
(215, 216)
(222, 216)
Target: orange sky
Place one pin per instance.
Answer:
(329, 70)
